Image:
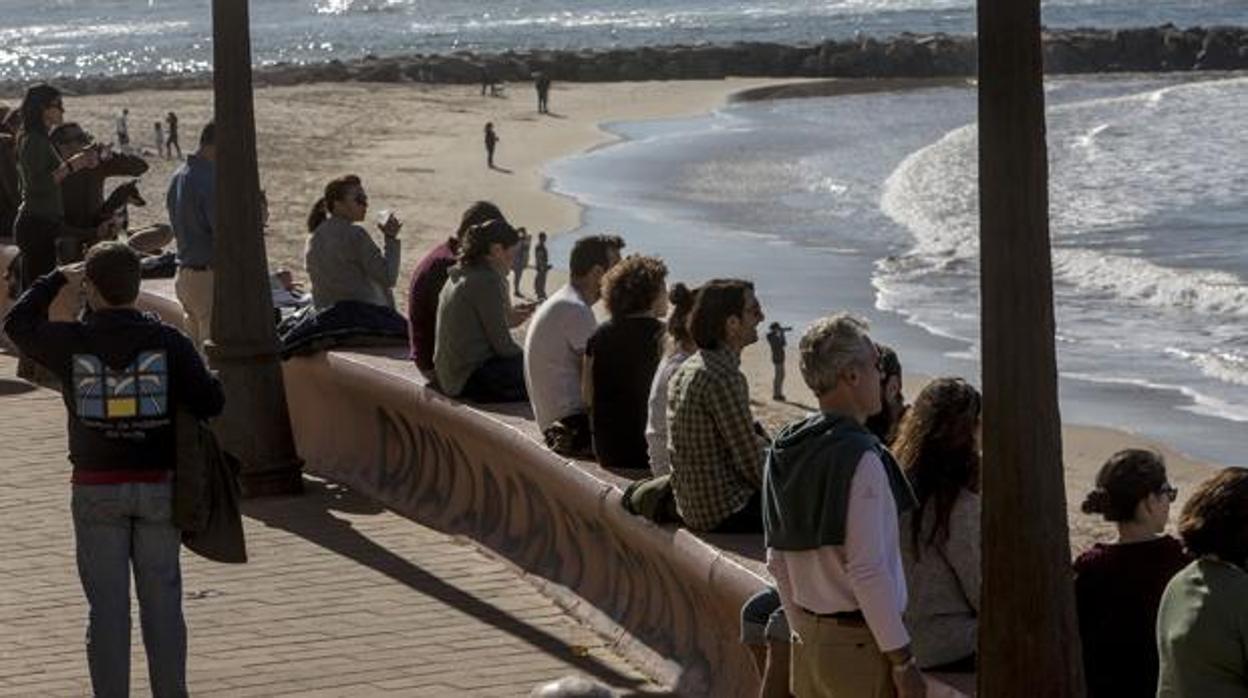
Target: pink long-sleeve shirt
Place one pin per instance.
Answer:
(863, 574)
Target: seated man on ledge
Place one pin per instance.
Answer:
(832, 495)
(555, 348)
(716, 449)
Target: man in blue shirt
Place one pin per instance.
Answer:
(192, 203)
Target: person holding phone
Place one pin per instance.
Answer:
(343, 262)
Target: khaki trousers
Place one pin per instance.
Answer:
(194, 289)
(833, 660)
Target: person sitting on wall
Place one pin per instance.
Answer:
(343, 262)
(474, 354)
(621, 357)
(427, 281)
(938, 448)
(555, 348)
(716, 449)
(680, 299)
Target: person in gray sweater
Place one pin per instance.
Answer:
(938, 448)
(474, 354)
(343, 262)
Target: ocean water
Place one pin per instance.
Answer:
(44, 38)
(869, 202)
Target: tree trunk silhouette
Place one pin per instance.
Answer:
(1028, 637)
(256, 424)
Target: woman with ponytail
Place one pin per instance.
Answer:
(343, 262)
(681, 347)
(1118, 586)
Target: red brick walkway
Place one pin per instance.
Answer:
(341, 597)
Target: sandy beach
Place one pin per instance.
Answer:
(418, 149)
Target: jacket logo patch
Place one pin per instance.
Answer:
(138, 390)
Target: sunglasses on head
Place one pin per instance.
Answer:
(1170, 491)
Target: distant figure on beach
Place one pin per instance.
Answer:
(159, 130)
(681, 346)
(1202, 624)
(172, 141)
(83, 192)
(541, 83)
(621, 357)
(884, 423)
(426, 285)
(123, 131)
(1118, 586)
(777, 343)
(475, 356)
(555, 348)
(123, 448)
(541, 265)
(521, 261)
(342, 260)
(491, 142)
(716, 447)
(832, 500)
(938, 449)
(192, 205)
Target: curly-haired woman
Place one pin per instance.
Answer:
(938, 447)
(1118, 585)
(620, 360)
(1202, 625)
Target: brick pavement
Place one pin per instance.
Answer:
(341, 597)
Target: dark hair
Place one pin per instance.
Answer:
(336, 190)
(208, 136)
(592, 251)
(113, 268)
(682, 300)
(633, 285)
(936, 448)
(476, 214)
(1215, 520)
(68, 132)
(718, 300)
(479, 238)
(36, 101)
(882, 423)
(1127, 477)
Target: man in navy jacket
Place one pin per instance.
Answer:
(123, 373)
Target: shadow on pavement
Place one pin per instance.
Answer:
(309, 517)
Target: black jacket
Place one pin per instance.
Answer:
(122, 372)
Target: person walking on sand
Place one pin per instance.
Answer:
(123, 131)
(775, 340)
(172, 142)
(160, 138)
(541, 265)
(541, 82)
(521, 261)
(491, 142)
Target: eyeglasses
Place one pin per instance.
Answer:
(361, 199)
(1170, 491)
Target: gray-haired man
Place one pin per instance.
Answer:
(831, 498)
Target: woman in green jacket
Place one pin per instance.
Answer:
(40, 171)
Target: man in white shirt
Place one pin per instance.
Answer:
(554, 350)
(832, 495)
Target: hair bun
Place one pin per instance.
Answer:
(1097, 502)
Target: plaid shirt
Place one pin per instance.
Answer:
(717, 457)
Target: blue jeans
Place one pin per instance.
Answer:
(118, 527)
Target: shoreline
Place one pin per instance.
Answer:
(418, 150)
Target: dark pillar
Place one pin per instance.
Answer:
(256, 424)
(1028, 637)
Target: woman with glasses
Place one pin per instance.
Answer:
(937, 446)
(40, 171)
(1118, 585)
(343, 261)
